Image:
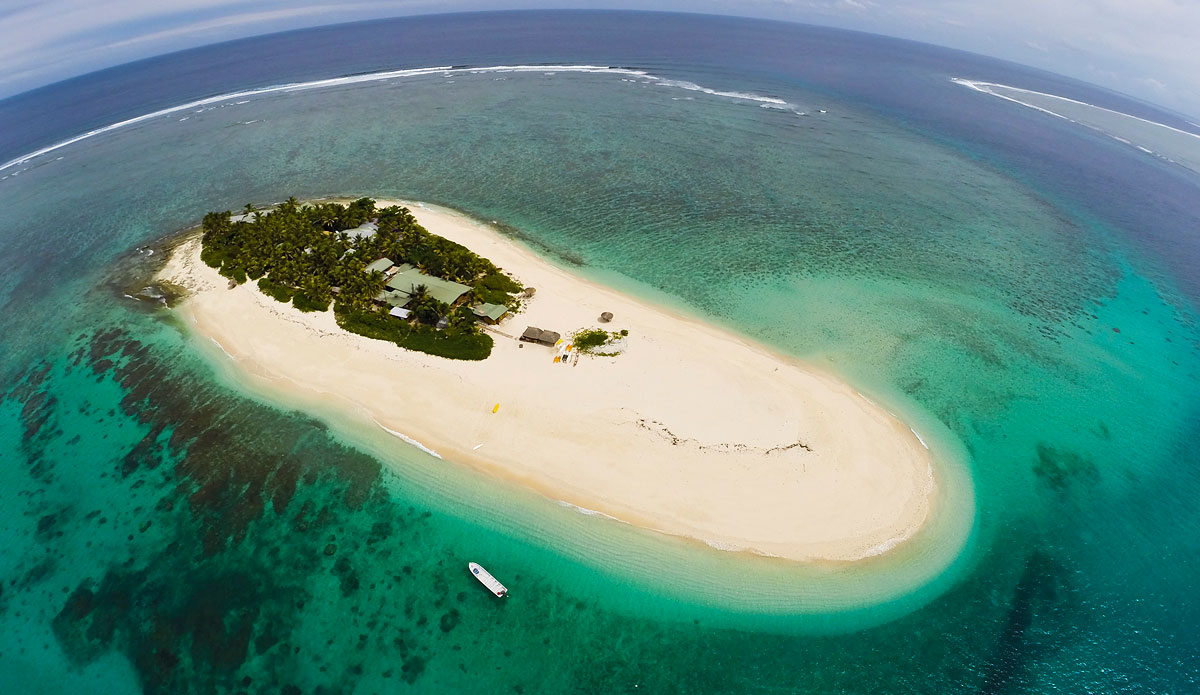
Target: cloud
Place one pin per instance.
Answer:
(1146, 48)
(854, 5)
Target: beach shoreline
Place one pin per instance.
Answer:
(691, 432)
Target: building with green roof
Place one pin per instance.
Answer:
(393, 298)
(409, 278)
(382, 265)
(491, 313)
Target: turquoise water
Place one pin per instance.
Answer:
(170, 532)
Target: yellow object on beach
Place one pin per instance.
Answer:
(496, 409)
(557, 358)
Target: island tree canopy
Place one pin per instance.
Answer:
(318, 253)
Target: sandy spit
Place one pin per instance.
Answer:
(691, 431)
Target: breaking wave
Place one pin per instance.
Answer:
(244, 96)
(1160, 140)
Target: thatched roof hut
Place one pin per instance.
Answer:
(606, 317)
(537, 335)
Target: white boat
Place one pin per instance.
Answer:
(487, 580)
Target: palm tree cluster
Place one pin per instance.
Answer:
(314, 254)
(304, 251)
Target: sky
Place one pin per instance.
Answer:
(1149, 49)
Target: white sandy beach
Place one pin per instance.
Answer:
(691, 431)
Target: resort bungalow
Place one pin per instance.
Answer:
(408, 278)
(393, 298)
(382, 265)
(537, 335)
(362, 231)
(490, 313)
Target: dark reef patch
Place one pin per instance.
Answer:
(450, 620)
(229, 484)
(248, 500)
(1020, 642)
(176, 633)
(1058, 469)
(37, 416)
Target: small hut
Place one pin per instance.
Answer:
(362, 231)
(539, 336)
(606, 317)
(490, 313)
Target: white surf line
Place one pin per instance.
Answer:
(222, 347)
(716, 545)
(589, 512)
(693, 87)
(919, 438)
(409, 440)
(883, 547)
(379, 77)
(735, 548)
(984, 87)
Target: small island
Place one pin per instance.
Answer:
(588, 396)
(387, 277)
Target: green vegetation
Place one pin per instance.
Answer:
(280, 293)
(590, 340)
(497, 288)
(301, 254)
(306, 302)
(415, 336)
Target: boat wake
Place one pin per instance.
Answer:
(245, 96)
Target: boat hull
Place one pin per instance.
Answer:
(493, 585)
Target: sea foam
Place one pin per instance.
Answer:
(588, 512)
(883, 547)
(410, 440)
(991, 87)
(1149, 137)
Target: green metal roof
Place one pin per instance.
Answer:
(441, 290)
(492, 311)
(380, 265)
(392, 298)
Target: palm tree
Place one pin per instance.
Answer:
(419, 294)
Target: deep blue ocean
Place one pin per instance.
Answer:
(1029, 284)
